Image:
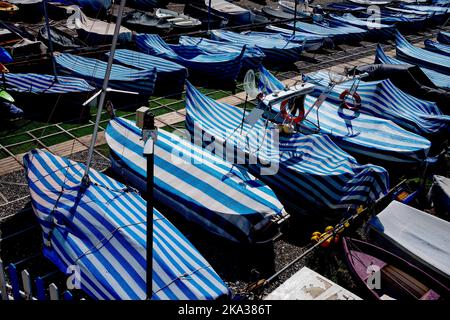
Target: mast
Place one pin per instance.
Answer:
(103, 92)
(295, 16)
(50, 45)
(209, 18)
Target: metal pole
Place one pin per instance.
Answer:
(104, 91)
(295, 16)
(50, 45)
(209, 17)
(149, 131)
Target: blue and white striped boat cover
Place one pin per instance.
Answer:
(421, 57)
(308, 41)
(437, 47)
(443, 37)
(337, 34)
(359, 133)
(276, 50)
(313, 172)
(102, 231)
(252, 58)
(427, 9)
(224, 66)
(375, 30)
(221, 197)
(45, 83)
(169, 75)
(439, 79)
(93, 71)
(384, 100)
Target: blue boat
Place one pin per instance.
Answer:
(276, 50)
(337, 34)
(101, 230)
(384, 100)
(443, 37)
(437, 47)
(38, 92)
(358, 133)
(214, 67)
(439, 79)
(376, 31)
(252, 58)
(309, 172)
(219, 196)
(170, 76)
(421, 57)
(308, 41)
(93, 71)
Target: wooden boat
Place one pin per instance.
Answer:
(7, 10)
(398, 278)
(178, 20)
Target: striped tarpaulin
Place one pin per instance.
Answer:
(276, 50)
(443, 37)
(44, 83)
(220, 67)
(252, 58)
(93, 71)
(384, 100)
(439, 79)
(101, 230)
(170, 76)
(337, 34)
(310, 171)
(437, 47)
(359, 133)
(223, 198)
(308, 41)
(376, 30)
(421, 57)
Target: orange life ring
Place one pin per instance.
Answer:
(285, 114)
(356, 97)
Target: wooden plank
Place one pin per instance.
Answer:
(54, 293)
(26, 283)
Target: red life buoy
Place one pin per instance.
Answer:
(285, 114)
(356, 97)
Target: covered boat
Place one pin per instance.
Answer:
(95, 32)
(358, 133)
(439, 79)
(371, 2)
(92, 7)
(101, 229)
(276, 14)
(399, 279)
(376, 31)
(289, 7)
(437, 47)
(337, 34)
(443, 37)
(170, 76)
(439, 195)
(207, 18)
(276, 50)
(309, 42)
(421, 57)
(142, 22)
(38, 93)
(93, 71)
(308, 172)
(236, 15)
(415, 235)
(60, 39)
(383, 99)
(178, 20)
(252, 58)
(222, 198)
(214, 67)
